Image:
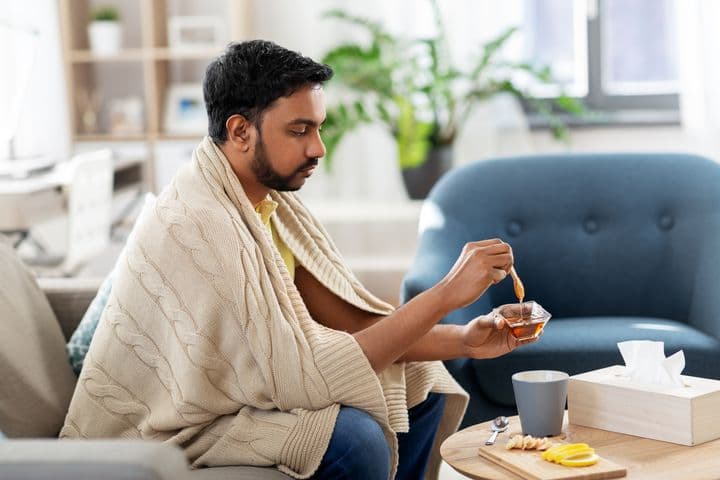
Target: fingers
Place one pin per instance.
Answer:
(500, 254)
(484, 243)
(494, 249)
(493, 246)
(500, 322)
(498, 275)
(501, 260)
(495, 252)
(494, 319)
(491, 320)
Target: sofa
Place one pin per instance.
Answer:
(615, 246)
(36, 383)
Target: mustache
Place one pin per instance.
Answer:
(310, 163)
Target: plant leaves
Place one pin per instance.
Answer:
(490, 49)
(570, 104)
(359, 68)
(339, 120)
(412, 136)
(409, 85)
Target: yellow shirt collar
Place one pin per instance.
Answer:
(265, 208)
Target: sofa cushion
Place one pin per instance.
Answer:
(69, 298)
(577, 345)
(36, 381)
(237, 473)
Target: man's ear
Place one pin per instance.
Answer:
(240, 132)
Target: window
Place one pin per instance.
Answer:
(18, 44)
(619, 56)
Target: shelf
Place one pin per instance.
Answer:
(186, 54)
(145, 67)
(180, 136)
(108, 137)
(128, 55)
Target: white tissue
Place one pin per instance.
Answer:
(645, 362)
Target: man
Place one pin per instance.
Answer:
(234, 328)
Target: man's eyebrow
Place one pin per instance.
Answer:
(305, 121)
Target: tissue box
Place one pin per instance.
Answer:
(687, 415)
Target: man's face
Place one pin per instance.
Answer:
(288, 145)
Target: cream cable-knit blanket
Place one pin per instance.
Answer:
(206, 342)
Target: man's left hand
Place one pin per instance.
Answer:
(488, 336)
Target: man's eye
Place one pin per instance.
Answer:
(298, 133)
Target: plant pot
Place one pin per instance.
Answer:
(105, 37)
(420, 180)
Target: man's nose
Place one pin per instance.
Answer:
(316, 149)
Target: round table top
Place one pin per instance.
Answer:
(643, 458)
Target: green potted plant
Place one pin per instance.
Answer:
(409, 86)
(104, 31)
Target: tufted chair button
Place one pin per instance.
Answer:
(591, 225)
(666, 222)
(514, 228)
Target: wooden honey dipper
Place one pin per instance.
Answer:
(519, 287)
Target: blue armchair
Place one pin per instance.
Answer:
(615, 246)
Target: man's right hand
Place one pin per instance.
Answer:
(480, 265)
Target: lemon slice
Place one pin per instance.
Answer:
(556, 454)
(583, 460)
(573, 453)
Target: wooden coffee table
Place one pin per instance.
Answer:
(643, 458)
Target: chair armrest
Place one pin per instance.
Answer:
(106, 459)
(69, 299)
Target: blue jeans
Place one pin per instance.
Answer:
(358, 449)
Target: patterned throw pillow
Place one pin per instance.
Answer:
(79, 343)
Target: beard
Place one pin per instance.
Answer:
(268, 176)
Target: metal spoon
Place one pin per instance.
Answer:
(500, 424)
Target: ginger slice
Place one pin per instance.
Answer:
(528, 442)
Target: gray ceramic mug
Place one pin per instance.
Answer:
(540, 396)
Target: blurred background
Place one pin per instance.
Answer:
(465, 80)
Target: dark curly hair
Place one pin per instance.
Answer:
(249, 76)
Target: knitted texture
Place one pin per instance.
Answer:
(206, 341)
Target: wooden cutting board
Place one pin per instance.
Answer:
(530, 464)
